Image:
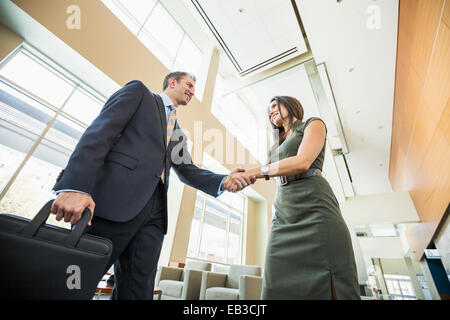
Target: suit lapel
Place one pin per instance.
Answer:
(162, 117)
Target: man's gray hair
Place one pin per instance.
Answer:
(177, 75)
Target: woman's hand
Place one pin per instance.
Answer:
(254, 173)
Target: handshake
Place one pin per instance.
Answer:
(238, 180)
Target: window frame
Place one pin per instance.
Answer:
(230, 209)
(58, 111)
(394, 281)
(144, 35)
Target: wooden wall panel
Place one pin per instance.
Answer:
(423, 31)
(424, 129)
(409, 104)
(437, 85)
(420, 150)
(396, 161)
(444, 123)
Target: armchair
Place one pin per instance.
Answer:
(181, 283)
(241, 283)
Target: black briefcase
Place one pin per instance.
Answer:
(41, 261)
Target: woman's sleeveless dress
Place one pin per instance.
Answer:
(309, 245)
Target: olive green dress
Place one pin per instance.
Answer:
(309, 245)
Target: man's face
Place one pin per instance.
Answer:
(183, 90)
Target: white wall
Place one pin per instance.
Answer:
(390, 208)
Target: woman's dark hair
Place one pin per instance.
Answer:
(294, 109)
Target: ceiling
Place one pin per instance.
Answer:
(360, 59)
(358, 50)
(245, 32)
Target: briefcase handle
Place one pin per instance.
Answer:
(77, 231)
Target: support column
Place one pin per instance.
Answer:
(429, 279)
(415, 282)
(380, 276)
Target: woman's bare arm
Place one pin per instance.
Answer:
(309, 149)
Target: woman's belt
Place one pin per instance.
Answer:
(284, 180)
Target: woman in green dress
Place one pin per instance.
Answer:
(309, 252)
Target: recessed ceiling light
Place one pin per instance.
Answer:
(380, 127)
(351, 69)
(241, 10)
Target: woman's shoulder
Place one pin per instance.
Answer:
(301, 125)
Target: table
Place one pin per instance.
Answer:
(105, 289)
(158, 292)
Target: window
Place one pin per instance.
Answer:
(132, 13)
(400, 287)
(34, 77)
(216, 230)
(160, 33)
(43, 113)
(83, 106)
(189, 57)
(247, 128)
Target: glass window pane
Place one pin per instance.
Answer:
(165, 30)
(155, 47)
(39, 80)
(226, 197)
(221, 225)
(39, 174)
(212, 246)
(219, 89)
(235, 215)
(199, 201)
(390, 286)
(21, 124)
(60, 141)
(10, 160)
(35, 181)
(195, 232)
(244, 127)
(6, 91)
(403, 285)
(189, 57)
(83, 107)
(234, 242)
(411, 291)
(238, 202)
(216, 207)
(138, 9)
(125, 17)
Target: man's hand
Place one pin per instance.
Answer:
(70, 206)
(236, 180)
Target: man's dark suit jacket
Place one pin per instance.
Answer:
(121, 155)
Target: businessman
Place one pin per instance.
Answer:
(120, 171)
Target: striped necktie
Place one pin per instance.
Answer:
(171, 122)
(170, 126)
